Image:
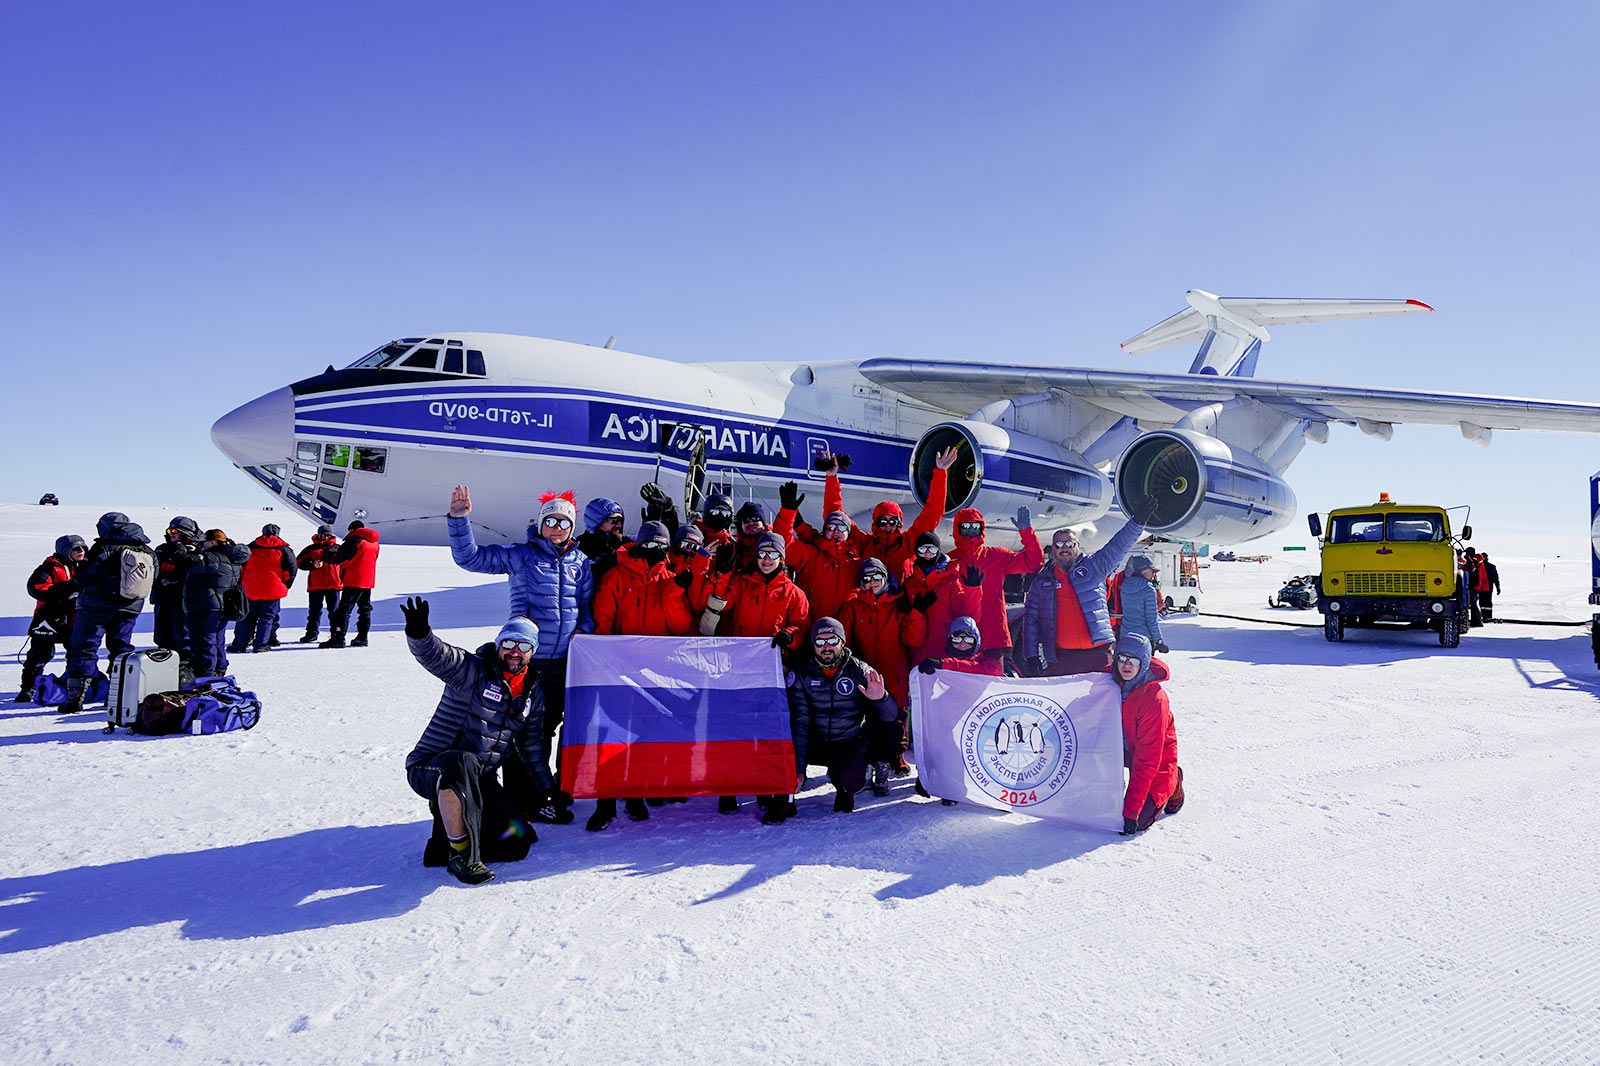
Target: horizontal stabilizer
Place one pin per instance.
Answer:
(1251, 315)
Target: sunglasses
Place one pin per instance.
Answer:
(888, 520)
(963, 638)
(755, 520)
(175, 533)
(610, 518)
(721, 512)
(827, 642)
(830, 526)
(873, 579)
(1131, 660)
(556, 521)
(927, 549)
(656, 545)
(769, 553)
(970, 529)
(511, 644)
(1064, 545)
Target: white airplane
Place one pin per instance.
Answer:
(385, 438)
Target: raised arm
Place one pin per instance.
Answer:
(1113, 553)
(469, 555)
(932, 512)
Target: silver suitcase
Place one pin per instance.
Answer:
(135, 675)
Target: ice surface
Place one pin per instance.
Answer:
(1388, 853)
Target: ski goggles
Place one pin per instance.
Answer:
(927, 551)
(829, 641)
(874, 579)
(720, 512)
(754, 520)
(556, 521)
(834, 523)
(513, 644)
(655, 545)
(888, 521)
(769, 553)
(963, 638)
(1131, 660)
(969, 529)
(610, 518)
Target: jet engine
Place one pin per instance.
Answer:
(1201, 488)
(997, 471)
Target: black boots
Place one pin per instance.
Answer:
(636, 810)
(467, 870)
(335, 640)
(780, 810)
(309, 638)
(74, 701)
(727, 804)
(844, 802)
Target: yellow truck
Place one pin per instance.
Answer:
(1390, 562)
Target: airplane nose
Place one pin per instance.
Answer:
(260, 432)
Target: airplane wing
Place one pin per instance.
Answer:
(1162, 399)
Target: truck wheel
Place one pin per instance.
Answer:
(1449, 632)
(1194, 606)
(1594, 640)
(1333, 627)
(1167, 606)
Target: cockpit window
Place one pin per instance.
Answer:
(385, 355)
(422, 359)
(475, 363)
(404, 354)
(452, 361)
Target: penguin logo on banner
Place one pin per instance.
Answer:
(1019, 747)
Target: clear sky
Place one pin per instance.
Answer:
(204, 201)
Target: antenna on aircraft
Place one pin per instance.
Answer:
(611, 342)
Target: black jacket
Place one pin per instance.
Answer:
(171, 564)
(113, 531)
(826, 710)
(209, 573)
(477, 712)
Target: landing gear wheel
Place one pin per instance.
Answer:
(1194, 606)
(1333, 627)
(1450, 632)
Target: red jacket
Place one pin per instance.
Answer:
(882, 635)
(1149, 743)
(996, 564)
(827, 570)
(640, 600)
(761, 606)
(324, 578)
(895, 550)
(978, 664)
(358, 559)
(55, 588)
(269, 571)
(954, 599)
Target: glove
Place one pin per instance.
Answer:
(1024, 518)
(923, 601)
(1038, 665)
(903, 604)
(723, 561)
(928, 666)
(656, 502)
(826, 464)
(415, 610)
(973, 577)
(844, 462)
(1161, 646)
(1129, 827)
(782, 638)
(1147, 510)
(790, 497)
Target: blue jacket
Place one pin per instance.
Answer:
(1141, 609)
(554, 588)
(1088, 578)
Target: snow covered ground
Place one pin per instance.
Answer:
(1386, 856)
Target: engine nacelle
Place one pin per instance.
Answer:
(998, 471)
(1203, 490)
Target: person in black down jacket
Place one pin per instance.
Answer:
(54, 588)
(490, 709)
(119, 560)
(831, 693)
(181, 541)
(208, 575)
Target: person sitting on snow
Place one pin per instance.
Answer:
(490, 710)
(1149, 737)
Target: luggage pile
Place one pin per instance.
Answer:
(145, 697)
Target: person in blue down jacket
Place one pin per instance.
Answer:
(1141, 603)
(488, 717)
(1066, 628)
(550, 583)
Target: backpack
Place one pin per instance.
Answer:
(234, 607)
(130, 573)
(161, 713)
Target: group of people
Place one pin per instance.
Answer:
(196, 582)
(1481, 579)
(853, 611)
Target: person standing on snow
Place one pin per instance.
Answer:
(996, 564)
(208, 575)
(883, 628)
(832, 694)
(1141, 602)
(1488, 586)
(54, 588)
(550, 581)
(1066, 627)
(358, 576)
(180, 542)
(488, 715)
(602, 535)
(323, 581)
(1149, 737)
(826, 568)
(268, 575)
(941, 591)
(889, 540)
(116, 576)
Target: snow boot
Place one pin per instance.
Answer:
(1175, 801)
(74, 701)
(901, 767)
(467, 870)
(25, 693)
(335, 640)
(550, 814)
(359, 642)
(599, 820)
(636, 810)
(309, 638)
(779, 811)
(656, 801)
(727, 804)
(844, 802)
(878, 776)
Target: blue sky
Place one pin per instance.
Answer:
(205, 201)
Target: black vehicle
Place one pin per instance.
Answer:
(1298, 592)
(49, 500)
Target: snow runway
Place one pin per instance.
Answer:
(1386, 855)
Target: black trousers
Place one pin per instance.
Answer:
(40, 651)
(496, 832)
(320, 599)
(171, 628)
(550, 677)
(358, 600)
(846, 761)
(887, 740)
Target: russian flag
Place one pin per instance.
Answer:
(675, 716)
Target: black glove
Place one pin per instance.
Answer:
(723, 561)
(1038, 665)
(922, 601)
(1146, 511)
(1129, 827)
(826, 464)
(844, 462)
(1161, 646)
(782, 638)
(928, 666)
(790, 497)
(903, 604)
(416, 611)
(656, 502)
(973, 577)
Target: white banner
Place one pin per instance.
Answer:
(1050, 747)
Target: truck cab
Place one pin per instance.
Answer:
(1390, 562)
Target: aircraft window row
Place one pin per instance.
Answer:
(414, 353)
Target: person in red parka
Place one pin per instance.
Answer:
(638, 597)
(963, 654)
(881, 628)
(827, 568)
(942, 592)
(1149, 737)
(358, 572)
(266, 579)
(889, 539)
(760, 602)
(323, 581)
(996, 564)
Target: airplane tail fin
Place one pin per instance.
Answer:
(1231, 328)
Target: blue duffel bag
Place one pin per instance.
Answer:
(219, 705)
(51, 691)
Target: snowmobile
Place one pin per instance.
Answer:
(1298, 592)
